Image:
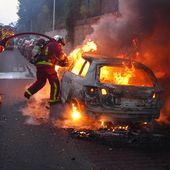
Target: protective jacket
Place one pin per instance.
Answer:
(51, 55)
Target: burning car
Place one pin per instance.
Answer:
(119, 89)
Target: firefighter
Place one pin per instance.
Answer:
(51, 54)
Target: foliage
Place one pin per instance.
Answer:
(37, 15)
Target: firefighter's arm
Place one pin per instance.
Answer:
(55, 50)
(62, 60)
(61, 57)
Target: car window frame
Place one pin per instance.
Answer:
(81, 70)
(116, 64)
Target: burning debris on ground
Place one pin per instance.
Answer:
(135, 138)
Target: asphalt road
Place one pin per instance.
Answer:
(43, 147)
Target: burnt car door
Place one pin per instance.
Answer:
(72, 81)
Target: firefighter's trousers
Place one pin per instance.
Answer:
(45, 72)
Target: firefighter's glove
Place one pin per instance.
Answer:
(64, 63)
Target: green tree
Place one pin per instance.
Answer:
(72, 14)
(37, 15)
(28, 13)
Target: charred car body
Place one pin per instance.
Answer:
(119, 89)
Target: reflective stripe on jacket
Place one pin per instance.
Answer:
(44, 63)
(51, 54)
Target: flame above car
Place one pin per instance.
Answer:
(126, 74)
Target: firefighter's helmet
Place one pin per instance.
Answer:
(59, 39)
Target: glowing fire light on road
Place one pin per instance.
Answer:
(113, 127)
(76, 115)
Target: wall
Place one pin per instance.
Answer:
(83, 27)
(62, 32)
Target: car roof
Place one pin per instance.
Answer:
(101, 59)
(108, 60)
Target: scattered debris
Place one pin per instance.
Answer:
(131, 137)
(73, 159)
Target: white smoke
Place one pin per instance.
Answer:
(37, 109)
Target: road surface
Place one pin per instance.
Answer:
(26, 146)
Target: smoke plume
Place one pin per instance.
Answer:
(140, 30)
(36, 110)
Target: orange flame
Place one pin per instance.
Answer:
(76, 115)
(116, 77)
(75, 58)
(76, 55)
(124, 75)
(57, 68)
